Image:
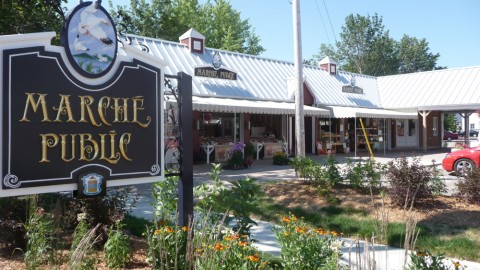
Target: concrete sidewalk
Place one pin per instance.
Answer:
(264, 170)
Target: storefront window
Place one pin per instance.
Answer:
(435, 126)
(412, 127)
(400, 128)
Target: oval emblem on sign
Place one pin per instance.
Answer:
(90, 39)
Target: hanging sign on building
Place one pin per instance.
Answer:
(77, 117)
(215, 71)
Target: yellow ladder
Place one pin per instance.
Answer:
(366, 139)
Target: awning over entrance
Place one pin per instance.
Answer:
(212, 104)
(352, 112)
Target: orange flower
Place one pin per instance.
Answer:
(286, 219)
(157, 232)
(168, 230)
(422, 253)
(299, 230)
(185, 228)
(219, 246)
(320, 231)
(253, 258)
(242, 243)
(235, 236)
(244, 236)
(334, 233)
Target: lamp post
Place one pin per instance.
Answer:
(299, 114)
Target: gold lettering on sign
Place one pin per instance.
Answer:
(89, 148)
(138, 106)
(31, 102)
(64, 108)
(85, 102)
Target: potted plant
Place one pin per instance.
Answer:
(236, 160)
(280, 158)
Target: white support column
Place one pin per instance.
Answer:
(290, 120)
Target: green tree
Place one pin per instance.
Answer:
(449, 122)
(414, 55)
(30, 16)
(365, 47)
(221, 25)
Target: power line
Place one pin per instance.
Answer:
(331, 26)
(321, 18)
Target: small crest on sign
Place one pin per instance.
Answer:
(92, 184)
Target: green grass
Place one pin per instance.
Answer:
(355, 223)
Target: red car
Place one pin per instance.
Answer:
(462, 161)
(449, 136)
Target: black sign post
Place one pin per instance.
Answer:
(185, 185)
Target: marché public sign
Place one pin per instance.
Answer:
(77, 117)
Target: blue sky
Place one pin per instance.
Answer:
(452, 28)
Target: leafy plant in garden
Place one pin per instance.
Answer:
(469, 187)
(167, 246)
(165, 195)
(423, 260)
(364, 174)
(307, 248)
(299, 164)
(12, 219)
(332, 173)
(117, 249)
(409, 182)
(238, 201)
(39, 242)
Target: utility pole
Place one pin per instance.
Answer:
(299, 114)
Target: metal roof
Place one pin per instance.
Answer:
(266, 79)
(259, 78)
(447, 89)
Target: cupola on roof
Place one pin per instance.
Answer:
(193, 40)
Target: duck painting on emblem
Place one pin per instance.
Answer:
(91, 38)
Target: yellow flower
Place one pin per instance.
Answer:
(320, 231)
(244, 236)
(157, 232)
(286, 234)
(457, 265)
(227, 238)
(168, 230)
(185, 228)
(294, 218)
(334, 233)
(253, 258)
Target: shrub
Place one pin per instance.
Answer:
(332, 173)
(300, 163)
(250, 150)
(280, 158)
(409, 183)
(105, 210)
(469, 187)
(12, 218)
(364, 174)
